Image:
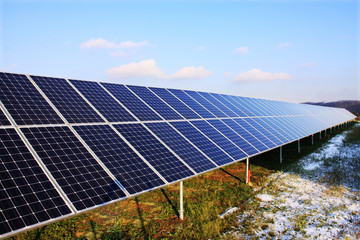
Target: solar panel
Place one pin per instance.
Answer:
(265, 111)
(175, 103)
(282, 127)
(232, 100)
(102, 101)
(249, 105)
(71, 105)
(193, 157)
(80, 176)
(155, 102)
(118, 141)
(27, 197)
(166, 163)
(131, 102)
(218, 104)
(3, 120)
(272, 135)
(203, 143)
(234, 137)
(128, 168)
(191, 103)
(245, 134)
(24, 102)
(206, 104)
(219, 139)
(229, 105)
(254, 131)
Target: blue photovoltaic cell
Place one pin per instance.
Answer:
(242, 101)
(71, 105)
(102, 101)
(259, 135)
(220, 140)
(205, 103)
(166, 163)
(218, 104)
(252, 103)
(277, 106)
(187, 152)
(27, 196)
(203, 143)
(269, 106)
(3, 119)
(293, 126)
(131, 102)
(155, 103)
(281, 127)
(195, 106)
(175, 103)
(297, 123)
(313, 125)
(265, 111)
(244, 112)
(234, 137)
(80, 176)
(275, 137)
(229, 105)
(24, 102)
(245, 134)
(131, 171)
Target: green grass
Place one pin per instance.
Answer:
(154, 215)
(354, 135)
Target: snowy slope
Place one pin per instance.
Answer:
(299, 205)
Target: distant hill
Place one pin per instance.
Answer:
(351, 105)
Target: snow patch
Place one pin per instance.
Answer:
(295, 205)
(228, 212)
(265, 197)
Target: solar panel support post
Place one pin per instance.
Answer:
(320, 135)
(280, 154)
(325, 133)
(299, 146)
(312, 139)
(181, 211)
(247, 171)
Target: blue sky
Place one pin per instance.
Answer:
(284, 50)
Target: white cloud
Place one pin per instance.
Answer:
(228, 74)
(103, 43)
(242, 50)
(145, 68)
(191, 72)
(284, 45)
(98, 43)
(148, 68)
(131, 44)
(201, 48)
(305, 65)
(256, 75)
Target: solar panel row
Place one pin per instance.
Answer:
(77, 145)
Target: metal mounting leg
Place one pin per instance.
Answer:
(181, 212)
(280, 154)
(247, 171)
(312, 139)
(320, 135)
(299, 146)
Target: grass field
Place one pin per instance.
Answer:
(154, 215)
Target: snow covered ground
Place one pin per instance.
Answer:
(318, 198)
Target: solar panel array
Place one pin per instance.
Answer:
(68, 146)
